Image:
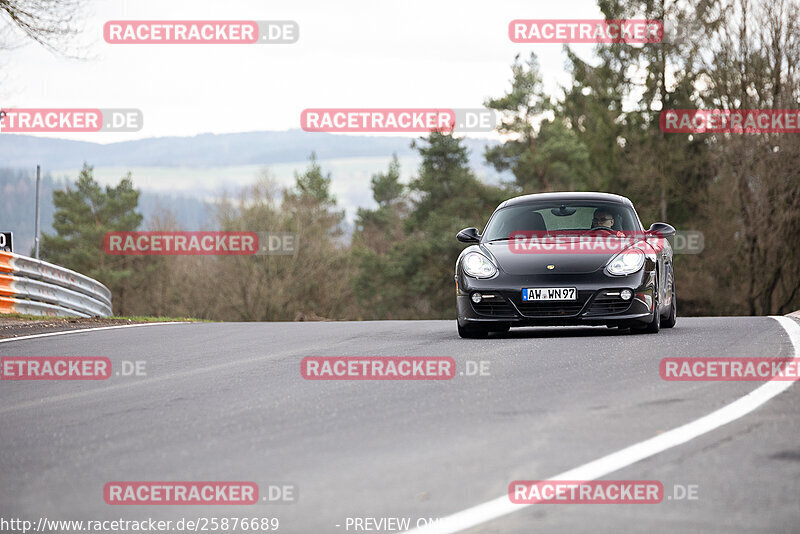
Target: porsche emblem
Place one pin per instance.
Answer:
(551, 267)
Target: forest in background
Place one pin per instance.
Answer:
(600, 134)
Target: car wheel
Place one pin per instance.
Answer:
(655, 325)
(652, 327)
(669, 322)
(472, 333)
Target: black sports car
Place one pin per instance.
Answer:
(565, 259)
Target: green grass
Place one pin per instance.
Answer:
(23, 316)
(146, 319)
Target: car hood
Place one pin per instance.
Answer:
(518, 263)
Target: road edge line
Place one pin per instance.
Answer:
(95, 328)
(615, 461)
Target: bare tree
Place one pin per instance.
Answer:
(51, 23)
(754, 65)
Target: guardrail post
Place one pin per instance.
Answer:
(36, 226)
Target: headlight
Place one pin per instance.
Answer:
(478, 266)
(626, 262)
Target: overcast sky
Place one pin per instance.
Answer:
(354, 53)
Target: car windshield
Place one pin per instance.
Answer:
(560, 216)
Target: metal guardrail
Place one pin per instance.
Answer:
(32, 286)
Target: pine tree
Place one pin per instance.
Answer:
(549, 158)
(84, 214)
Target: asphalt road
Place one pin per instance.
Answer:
(227, 402)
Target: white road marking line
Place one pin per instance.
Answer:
(60, 332)
(644, 449)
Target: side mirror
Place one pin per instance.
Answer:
(468, 235)
(662, 230)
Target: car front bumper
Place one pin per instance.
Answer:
(598, 301)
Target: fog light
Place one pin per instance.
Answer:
(626, 294)
(476, 298)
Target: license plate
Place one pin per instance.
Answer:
(549, 293)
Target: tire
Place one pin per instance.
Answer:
(472, 333)
(669, 322)
(655, 325)
(651, 328)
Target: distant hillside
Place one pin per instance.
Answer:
(205, 150)
(17, 206)
(185, 173)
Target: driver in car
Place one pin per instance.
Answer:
(602, 219)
